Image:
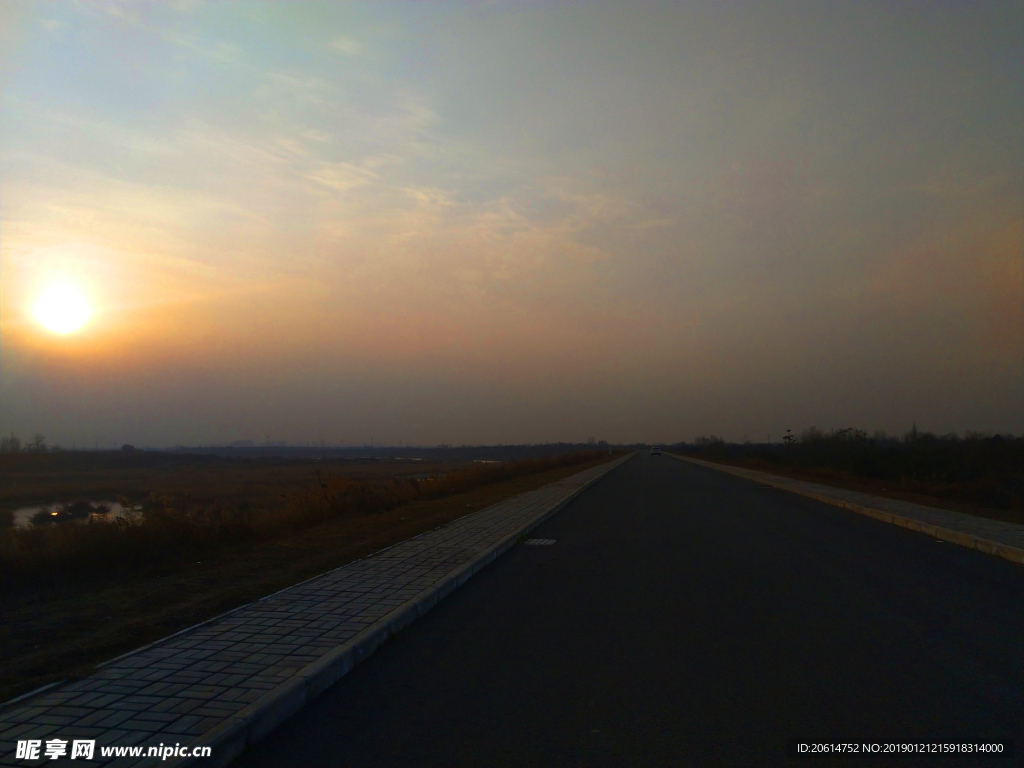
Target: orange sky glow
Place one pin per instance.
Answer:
(503, 222)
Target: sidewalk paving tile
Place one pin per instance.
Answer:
(192, 682)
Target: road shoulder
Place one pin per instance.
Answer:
(993, 537)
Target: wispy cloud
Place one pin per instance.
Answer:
(406, 191)
(347, 45)
(341, 176)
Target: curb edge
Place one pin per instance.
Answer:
(251, 724)
(961, 538)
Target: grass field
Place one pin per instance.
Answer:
(976, 475)
(65, 629)
(33, 478)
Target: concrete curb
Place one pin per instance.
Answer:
(964, 539)
(248, 726)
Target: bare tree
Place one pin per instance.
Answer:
(10, 444)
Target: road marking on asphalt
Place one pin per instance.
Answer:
(540, 542)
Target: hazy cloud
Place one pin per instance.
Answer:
(533, 222)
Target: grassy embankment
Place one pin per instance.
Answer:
(976, 475)
(61, 623)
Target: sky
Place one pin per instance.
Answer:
(509, 222)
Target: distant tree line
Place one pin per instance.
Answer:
(976, 468)
(12, 444)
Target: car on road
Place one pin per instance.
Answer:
(655, 451)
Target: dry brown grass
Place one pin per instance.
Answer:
(27, 478)
(63, 633)
(178, 527)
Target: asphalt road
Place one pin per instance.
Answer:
(687, 617)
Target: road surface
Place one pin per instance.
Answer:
(687, 617)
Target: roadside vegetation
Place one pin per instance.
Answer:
(56, 628)
(977, 474)
(176, 526)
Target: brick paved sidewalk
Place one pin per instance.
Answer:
(992, 536)
(186, 687)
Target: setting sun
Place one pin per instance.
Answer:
(62, 309)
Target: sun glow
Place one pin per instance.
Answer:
(62, 309)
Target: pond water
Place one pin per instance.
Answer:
(79, 511)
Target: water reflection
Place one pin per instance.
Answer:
(80, 511)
